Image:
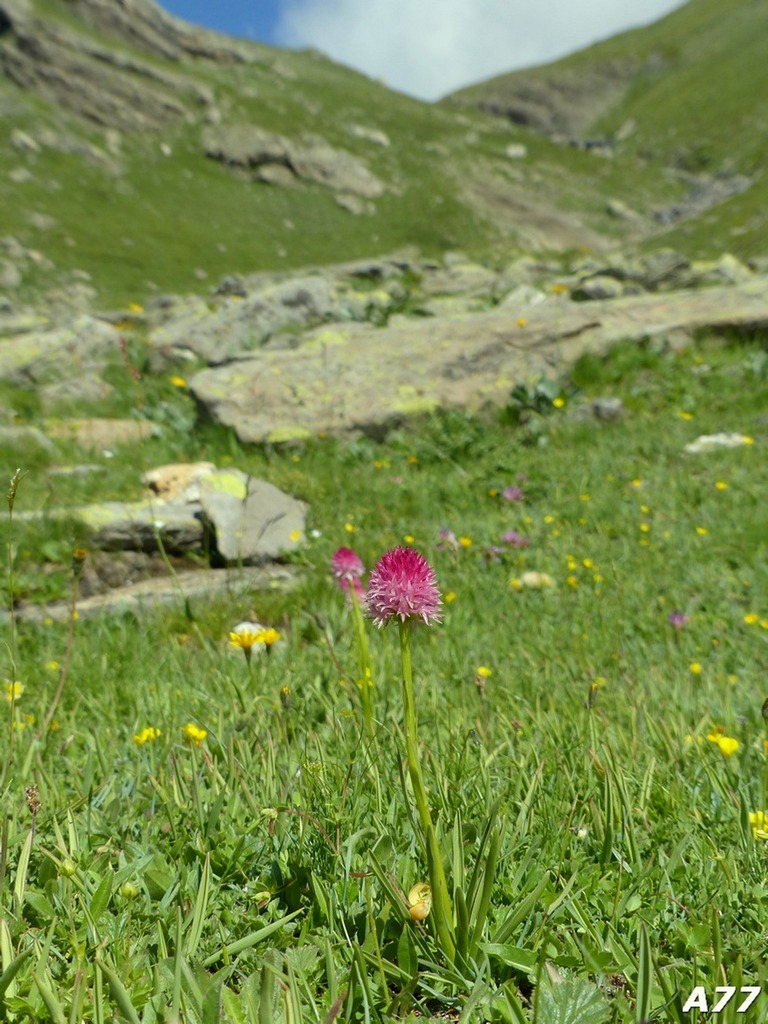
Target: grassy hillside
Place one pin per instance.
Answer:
(690, 91)
(136, 219)
(147, 211)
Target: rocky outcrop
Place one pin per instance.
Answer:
(238, 324)
(310, 158)
(145, 25)
(37, 357)
(110, 84)
(357, 378)
(195, 588)
(556, 101)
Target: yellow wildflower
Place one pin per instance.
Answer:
(420, 901)
(728, 745)
(695, 668)
(558, 404)
(750, 618)
(178, 382)
(148, 735)
(13, 690)
(267, 636)
(245, 635)
(759, 822)
(193, 734)
(466, 542)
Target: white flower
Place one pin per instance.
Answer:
(711, 442)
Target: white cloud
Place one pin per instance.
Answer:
(430, 47)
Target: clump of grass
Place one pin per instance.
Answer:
(219, 842)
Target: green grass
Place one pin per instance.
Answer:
(259, 876)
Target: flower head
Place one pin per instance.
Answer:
(759, 822)
(448, 541)
(403, 585)
(515, 539)
(193, 734)
(533, 579)
(245, 635)
(147, 735)
(267, 636)
(513, 494)
(728, 745)
(678, 620)
(346, 565)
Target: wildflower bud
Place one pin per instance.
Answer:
(79, 556)
(68, 868)
(420, 901)
(765, 709)
(128, 891)
(14, 486)
(33, 799)
(286, 698)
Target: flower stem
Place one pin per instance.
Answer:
(441, 903)
(364, 657)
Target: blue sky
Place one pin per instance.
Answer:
(427, 47)
(255, 19)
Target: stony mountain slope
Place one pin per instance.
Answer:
(142, 155)
(686, 96)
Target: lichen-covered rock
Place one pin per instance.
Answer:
(356, 377)
(252, 520)
(236, 326)
(38, 357)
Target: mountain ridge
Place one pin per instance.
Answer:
(142, 154)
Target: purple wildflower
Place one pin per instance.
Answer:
(449, 541)
(678, 619)
(515, 539)
(346, 565)
(513, 494)
(403, 585)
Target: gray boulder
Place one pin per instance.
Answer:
(355, 377)
(599, 287)
(252, 520)
(38, 357)
(237, 326)
(310, 158)
(141, 526)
